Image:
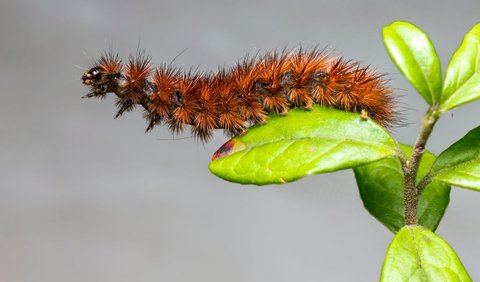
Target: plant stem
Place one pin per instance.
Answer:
(411, 193)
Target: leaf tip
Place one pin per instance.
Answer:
(230, 147)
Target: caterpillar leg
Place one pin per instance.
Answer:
(364, 115)
(309, 105)
(283, 112)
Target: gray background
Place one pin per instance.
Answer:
(84, 197)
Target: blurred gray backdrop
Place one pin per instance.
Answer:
(84, 197)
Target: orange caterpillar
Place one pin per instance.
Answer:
(235, 98)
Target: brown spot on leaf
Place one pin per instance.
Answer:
(230, 147)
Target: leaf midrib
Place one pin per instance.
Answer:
(339, 140)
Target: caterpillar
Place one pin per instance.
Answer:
(235, 98)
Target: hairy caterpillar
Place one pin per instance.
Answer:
(237, 97)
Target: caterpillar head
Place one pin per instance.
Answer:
(104, 76)
(100, 80)
(93, 76)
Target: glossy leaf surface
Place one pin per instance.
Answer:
(459, 165)
(462, 79)
(381, 188)
(301, 143)
(414, 54)
(418, 254)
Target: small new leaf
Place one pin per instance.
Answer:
(462, 79)
(459, 165)
(303, 142)
(381, 188)
(413, 53)
(418, 254)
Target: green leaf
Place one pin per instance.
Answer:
(413, 53)
(381, 189)
(418, 254)
(301, 143)
(462, 79)
(460, 164)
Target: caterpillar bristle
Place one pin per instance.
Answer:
(297, 75)
(135, 85)
(110, 62)
(240, 96)
(244, 78)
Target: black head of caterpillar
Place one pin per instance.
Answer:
(235, 98)
(93, 76)
(104, 77)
